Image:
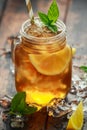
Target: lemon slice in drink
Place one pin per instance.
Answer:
(76, 119)
(51, 64)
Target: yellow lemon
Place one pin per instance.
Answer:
(76, 119)
(73, 51)
(51, 64)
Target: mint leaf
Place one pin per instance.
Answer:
(84, 68)
(19, 105)
(51, 17)
(53, 28)
(44, 18)
(53, 12)
(16, 101)
(29, 110)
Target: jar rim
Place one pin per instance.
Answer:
(31, 37)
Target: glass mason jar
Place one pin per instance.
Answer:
(43, 66)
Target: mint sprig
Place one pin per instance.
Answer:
(51, 17)
(19, 106)
(84, 68)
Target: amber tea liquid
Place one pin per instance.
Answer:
(43, 65)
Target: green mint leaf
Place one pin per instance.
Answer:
(53, 28)
(29, 110)
(19, 105)
(53, 12)
(51, 17)
(44, 18)
(16, 101)
(84, 68)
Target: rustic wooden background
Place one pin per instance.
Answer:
(13, 14)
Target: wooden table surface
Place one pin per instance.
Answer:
(12, 15)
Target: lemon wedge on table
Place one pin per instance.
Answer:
(51, 64)
(76, 119)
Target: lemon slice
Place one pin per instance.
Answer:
(76, 120)
(51, 64)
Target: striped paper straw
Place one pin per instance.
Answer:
(30, 10)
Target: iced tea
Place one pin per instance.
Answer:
(43, 63)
